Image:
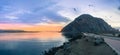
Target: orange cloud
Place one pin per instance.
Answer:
(46, 27)
(13, 26)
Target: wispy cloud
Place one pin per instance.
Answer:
(54, 11)
(30, 12)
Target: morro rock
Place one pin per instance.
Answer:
(89, 24)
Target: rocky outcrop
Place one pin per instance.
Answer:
(89, 24)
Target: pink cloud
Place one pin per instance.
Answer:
(13, 26)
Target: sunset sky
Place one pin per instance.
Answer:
(52, 15)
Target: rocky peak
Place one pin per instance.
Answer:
(88, 23)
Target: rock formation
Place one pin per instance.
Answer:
(89, 24)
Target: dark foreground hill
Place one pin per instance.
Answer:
(89, 24)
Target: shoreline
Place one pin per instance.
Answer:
(73, 47)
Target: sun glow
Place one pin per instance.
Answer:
(48, 27)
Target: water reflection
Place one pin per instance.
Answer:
(29, 43)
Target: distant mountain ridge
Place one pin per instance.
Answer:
(11, 31)
(89, 24)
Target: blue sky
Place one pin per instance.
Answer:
(60, 12)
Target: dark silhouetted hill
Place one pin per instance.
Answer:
(89, 24)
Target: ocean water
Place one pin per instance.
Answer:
(29, 43)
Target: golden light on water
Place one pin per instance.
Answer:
(44, 36)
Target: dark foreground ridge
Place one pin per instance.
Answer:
(82, 47)
(79, 46)
(90, 24)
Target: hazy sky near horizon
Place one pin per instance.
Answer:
(38, 12)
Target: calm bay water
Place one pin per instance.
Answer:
(29, 43)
